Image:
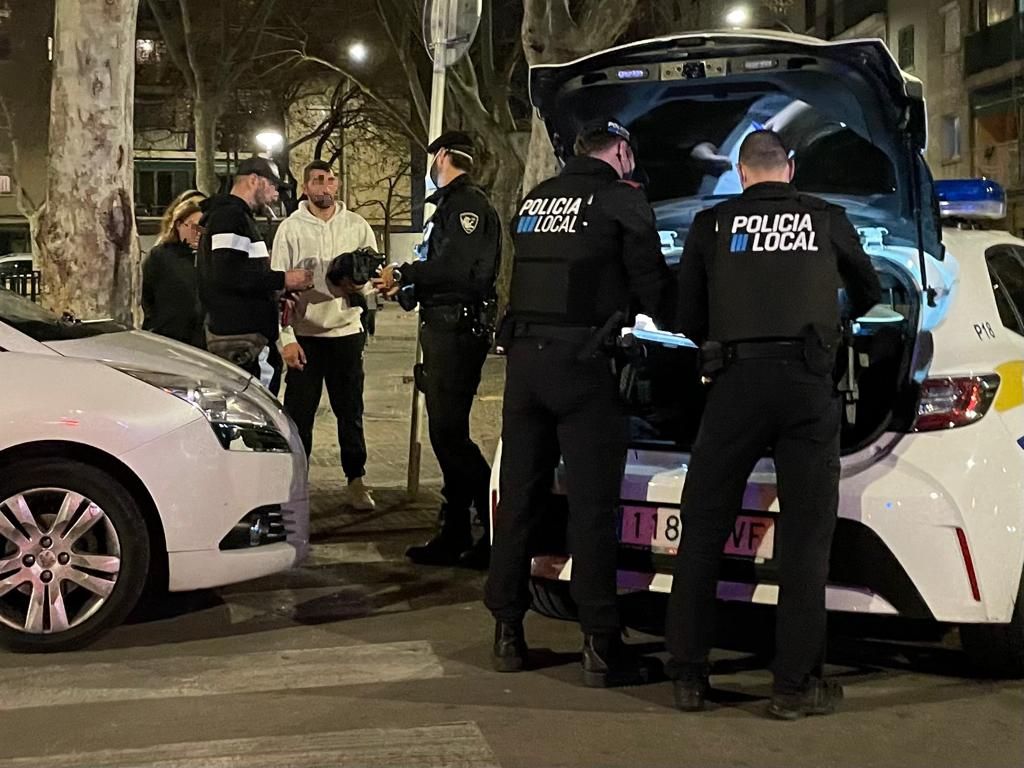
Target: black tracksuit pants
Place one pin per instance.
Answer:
(557, 405)
(453, 362)
(752, 406)
(338, 362)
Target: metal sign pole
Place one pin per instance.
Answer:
(442, 24)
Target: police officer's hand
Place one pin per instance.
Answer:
(384, 283)
(293, 355)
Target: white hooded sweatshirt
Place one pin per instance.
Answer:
(304, 241)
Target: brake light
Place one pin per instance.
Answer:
(954, 401)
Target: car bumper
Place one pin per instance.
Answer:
(201, 491)
(908, 539)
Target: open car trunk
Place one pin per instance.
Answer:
(856, 126)
(667, 399)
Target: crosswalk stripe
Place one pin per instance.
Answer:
(181, 676)
(453, 745)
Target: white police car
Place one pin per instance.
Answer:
(932, 492)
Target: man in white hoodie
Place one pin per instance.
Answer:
(324, 340)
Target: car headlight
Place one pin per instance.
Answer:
(239, 419)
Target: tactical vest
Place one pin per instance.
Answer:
(774, 272)
(568, 257)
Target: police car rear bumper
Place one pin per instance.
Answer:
(864, 575)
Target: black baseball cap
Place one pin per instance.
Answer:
(454, 141)
(261, 166)
(607, 125)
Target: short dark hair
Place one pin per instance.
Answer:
(316, 165)
(592, 142)
(459, 160)
(763, 150)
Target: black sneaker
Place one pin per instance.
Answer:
(509, 654)
(820, 697)
(443, 549)
(691, 689)
(477, 557)
(609, 663)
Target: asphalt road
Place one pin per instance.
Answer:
(360, 659)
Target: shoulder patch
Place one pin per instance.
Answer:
(469, 222)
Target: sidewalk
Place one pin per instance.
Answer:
(388, 397)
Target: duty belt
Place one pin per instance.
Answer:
(764, 350)
(574, 333)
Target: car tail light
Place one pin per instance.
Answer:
(954, 401)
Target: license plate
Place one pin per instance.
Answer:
(660, 528)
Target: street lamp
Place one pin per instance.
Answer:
(358, 53)
(738, 16)
(270, 141)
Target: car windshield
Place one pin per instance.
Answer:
(43, 326)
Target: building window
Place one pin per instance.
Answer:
(905, 47)
(950, 137)
(6, 185)
(997, 11)
(951, 29)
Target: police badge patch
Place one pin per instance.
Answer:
(469, 222)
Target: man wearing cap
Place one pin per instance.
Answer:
(238, 289)
(587, 255)
(759, 289)
(452, 280)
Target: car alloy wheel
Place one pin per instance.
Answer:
(60, 556)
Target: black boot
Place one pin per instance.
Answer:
(444, 549)
(477, 557)
(691, 688)
(608, 662)
(819, 697)
(509, 654)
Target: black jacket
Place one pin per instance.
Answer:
(733, 285)
(463, 248)
(170, 294)
(238, 289)
(587, 247)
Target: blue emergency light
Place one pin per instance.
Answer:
(970, 199)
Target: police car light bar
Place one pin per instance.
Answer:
(970, 199)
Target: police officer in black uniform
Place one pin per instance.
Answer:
(586, 251)
(453, 283)
(758, 286)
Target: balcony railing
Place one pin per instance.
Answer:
(995, 45)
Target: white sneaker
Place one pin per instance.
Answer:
(359, 497)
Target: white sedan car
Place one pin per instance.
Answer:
(931, 512)
(130, 461)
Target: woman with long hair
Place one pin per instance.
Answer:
(170, 291)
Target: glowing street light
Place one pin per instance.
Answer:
(270, 141)
(358, 53)
(738, 16)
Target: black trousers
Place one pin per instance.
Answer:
(453, 362)
(752, 406)
(338, 362)
(556, 405)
